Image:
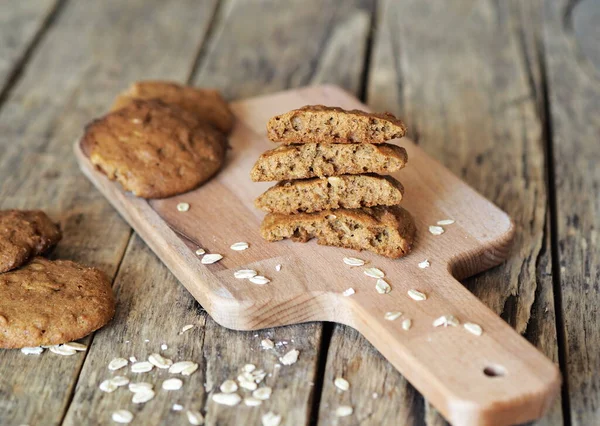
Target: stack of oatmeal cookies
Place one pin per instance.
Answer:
(332, 167)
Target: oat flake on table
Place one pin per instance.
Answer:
(122, 416)
(141, 367)
(120, 381)
(245, 274)
(445, 222)
(374, 273)
(228, 386)
(271, 419)
(290, 358)
(341, 383)
(177, 407)
(33, 351)
(230, 399)
(200, 251)
(117, 364)
(183, 207)
(382, 286)
(194, 417)
(424, 264)
(209, 259)
(143, 396)
(436, 230)
(186, 328)
(353, 261)
(406, 324)
(108, 386)
(259, 280)
(140, 387)
(263, 393)
(159, 361)
(75, 346)
(416, 295)
(239, 246)
(278, 267)
(250, 401)
(61, 350)
(267, 344)
(348, 292)
(249, 368)
(446, 320)
(473, 328)
(392, 316)
(344, 411)
(172, 384)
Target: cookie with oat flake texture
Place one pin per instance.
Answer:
(386, 230)
(52, 302)
(153, 149)
(207, 104)
(24, 234)
(323, 124)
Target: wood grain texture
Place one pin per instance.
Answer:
(465, 76)
(21, 24)
(574, 96)
(43, 114)
(310, 285)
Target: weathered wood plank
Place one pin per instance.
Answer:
(91, 52)
(573, 61)
(221, 352)
(465, 77)
(298, 43)
(21, 23)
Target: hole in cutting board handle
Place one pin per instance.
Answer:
(494, 370)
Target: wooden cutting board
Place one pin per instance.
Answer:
(497, 378)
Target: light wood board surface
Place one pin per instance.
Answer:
(446, 364)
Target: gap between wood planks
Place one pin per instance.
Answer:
(548, 137)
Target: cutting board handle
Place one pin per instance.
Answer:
(496, 378)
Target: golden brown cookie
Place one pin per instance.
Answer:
(153, 149)
(388, 231)
(305, 161)
(208, 104)
(346, 191)
(322, 124)
(24, 234)
(51, 302)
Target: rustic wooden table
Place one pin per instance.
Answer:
(505, 94)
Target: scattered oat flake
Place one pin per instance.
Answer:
(209, 259)
(344, 411)
(164, 347)
(143, 396)
(249, 368)
(120, 381)
(382, 286)
(374, 273)
(230, 399)
(341, 383)
(416, 295)
(260, 280)
(228, 386)
(406, 324)
(353, 261)
(172, 384)
(446, 320)
(75, 346)
(61, 350)
(436, 230)
(245, 274)
(178, 367)
(194, 417)
(290, 358)
(259, 375)
(278, 267)
(141, 367)
(33, 351)
(267, 344)
(200, 251)
(122, 416)
(263, 393)
(108, 386)
(177, 407)
(348, 292)
(159, 361)
(183, 207)
(445, 222)
(140, 387)
(239, 246)
(189, 370)
(252, 402)
(424, 264)
(270, 419)
(391, 316)
(247, 382)
(186, 328)
(473, 328)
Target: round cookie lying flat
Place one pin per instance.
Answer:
(208, 104)
(51, 302)
(153, 149)
(24, 234)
